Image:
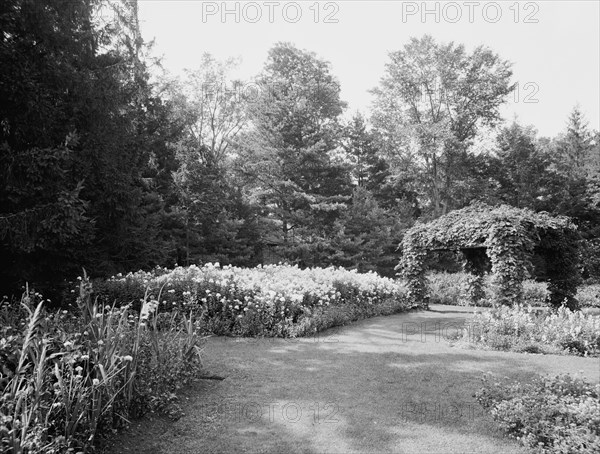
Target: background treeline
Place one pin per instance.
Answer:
(107, 162)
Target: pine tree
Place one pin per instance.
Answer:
(287, 155)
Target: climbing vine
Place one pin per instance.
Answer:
(476, 263)
(413, 269)
(501, 239)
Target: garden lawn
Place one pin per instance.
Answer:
(386, 384)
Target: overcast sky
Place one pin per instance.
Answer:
(554, 45)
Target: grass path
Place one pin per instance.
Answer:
(386, 384)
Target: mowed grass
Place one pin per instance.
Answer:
(387, 384)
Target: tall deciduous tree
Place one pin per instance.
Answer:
(429, 106)
(215, 214)
(212, 106)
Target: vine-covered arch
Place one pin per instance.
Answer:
(501, 239)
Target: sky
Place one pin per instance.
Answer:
(554, 45)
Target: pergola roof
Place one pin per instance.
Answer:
(473, 226)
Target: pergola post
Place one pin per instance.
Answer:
(508, 273)
(414, 269)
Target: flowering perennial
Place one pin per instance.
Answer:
(266, 300)
(524, 328)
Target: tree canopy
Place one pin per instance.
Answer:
(430, 104)
(108, 162)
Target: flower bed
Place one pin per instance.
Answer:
(273, 300)
(525, 329)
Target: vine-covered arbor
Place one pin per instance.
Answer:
(501, 240)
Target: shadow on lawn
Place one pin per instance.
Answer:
(374, 386)
(390, 402)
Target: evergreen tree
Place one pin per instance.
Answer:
(79, 127)
(367, 235)
(521, 172)
(369, 170)
(287, 155)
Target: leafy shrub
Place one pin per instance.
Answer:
(589, 295)
(69, 378)
(448, 288)
(522, 328)
(272, 300)
(452, 289)
(535, 293)
(550, 415)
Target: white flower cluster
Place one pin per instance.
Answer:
(269, 288)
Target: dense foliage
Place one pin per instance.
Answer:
(508, 235)
(80, 132)
(549, 415)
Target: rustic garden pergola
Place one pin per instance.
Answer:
(502, 240)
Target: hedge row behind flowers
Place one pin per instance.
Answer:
(272, 300)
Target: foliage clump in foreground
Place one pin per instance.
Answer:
(69, 379)
(502, 238)
(550, 415)
(273, 300)
(525, 329)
